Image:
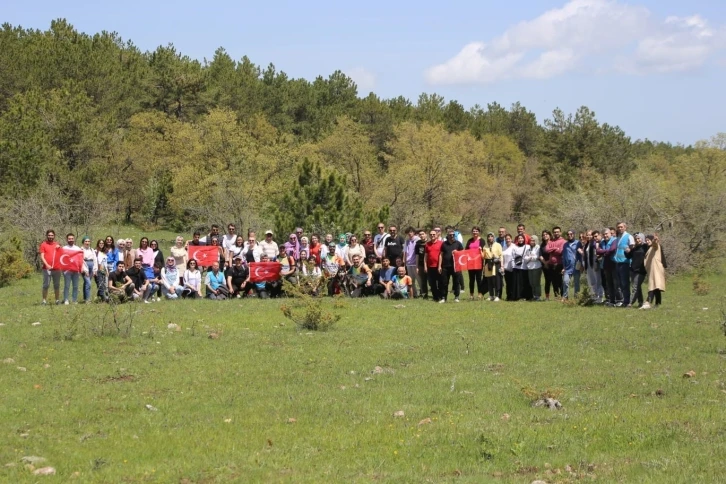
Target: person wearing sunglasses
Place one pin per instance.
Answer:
(446, 266)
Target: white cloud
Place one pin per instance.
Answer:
(364, 79)
(607, 33)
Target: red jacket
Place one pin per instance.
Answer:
(554, 249)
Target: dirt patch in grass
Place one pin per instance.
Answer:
(118, 379)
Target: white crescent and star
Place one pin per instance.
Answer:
(61, 259)
(466, 259)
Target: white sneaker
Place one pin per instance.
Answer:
(442, 301)
(646, 305)
(66, 302)
(44, 302)
(496, 299)
(146, 301)
(158, 299)
(456, 300)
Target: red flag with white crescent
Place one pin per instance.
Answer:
(205, 255)
(68, 260)
(467, 260)
(265, 271)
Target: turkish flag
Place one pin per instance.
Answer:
(205, 255)
(68, 260)
(264, 271)
(469, 260)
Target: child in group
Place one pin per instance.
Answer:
(400, 287)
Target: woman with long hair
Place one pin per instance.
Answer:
(508, 267)
(544, 258)
(112, 254)
(158, 254)
(475, 275)
(519, 266)
(192, 281)
(491, 252)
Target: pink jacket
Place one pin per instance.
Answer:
(554, 249)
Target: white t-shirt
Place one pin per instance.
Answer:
(229, 240)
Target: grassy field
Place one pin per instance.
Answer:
(260, 401)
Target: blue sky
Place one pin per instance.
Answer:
(655, 68)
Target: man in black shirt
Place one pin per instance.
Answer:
(446, 265)
(119, 284)
(138, 277)
(393, 246)
(421, 269)
(236, 277)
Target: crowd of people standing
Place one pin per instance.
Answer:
(419, 264)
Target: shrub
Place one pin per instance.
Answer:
(700, 287)
(307, 311)
(12, 263)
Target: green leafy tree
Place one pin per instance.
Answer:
(320, 201)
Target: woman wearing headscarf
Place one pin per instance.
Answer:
(341, 249)
(170, 279)
(655, 266)
(491, 252)
(636, 255)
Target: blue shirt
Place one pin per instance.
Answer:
(569, 255)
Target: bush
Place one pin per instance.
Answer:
(307, 311)
(12, 263)
(700, 287)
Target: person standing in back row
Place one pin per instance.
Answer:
(446, 265)
(47, 258)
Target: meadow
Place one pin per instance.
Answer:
(395, 392)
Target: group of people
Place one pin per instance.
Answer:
(421, 264)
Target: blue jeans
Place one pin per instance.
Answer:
(622, 275)
(68, 279)
(87, 281)
(567, 281)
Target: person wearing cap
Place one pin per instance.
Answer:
(91, 262)
(236, 277)
(269, 246)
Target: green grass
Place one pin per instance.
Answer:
(224, 404)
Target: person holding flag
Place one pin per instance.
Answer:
(69, 257)
(446, 266)
(475, 275)
(47, 252)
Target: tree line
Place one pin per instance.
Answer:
(159, 139)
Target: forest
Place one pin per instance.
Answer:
(94, 132)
